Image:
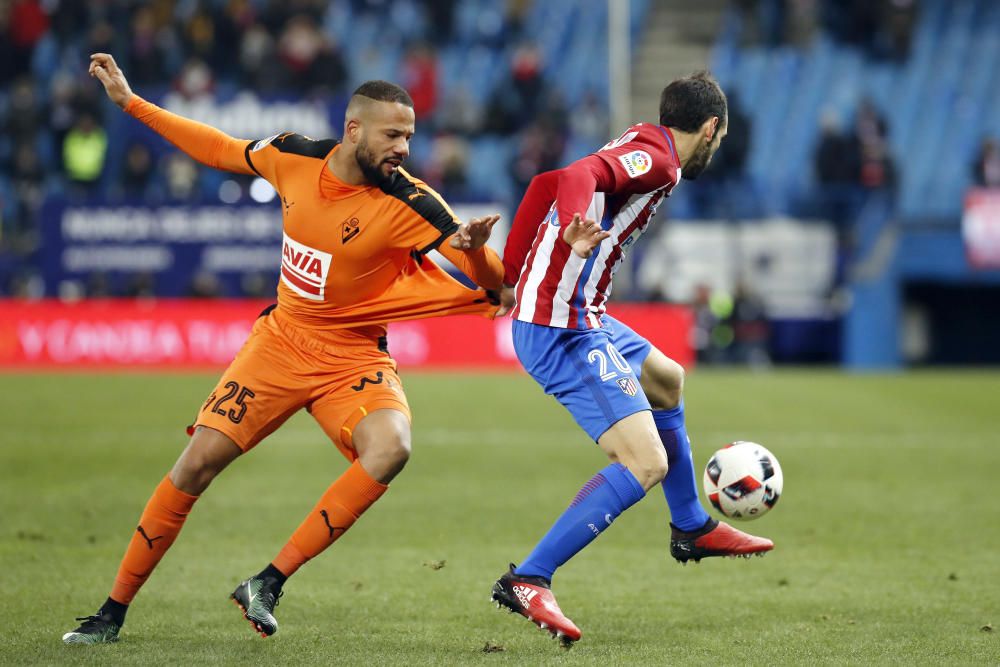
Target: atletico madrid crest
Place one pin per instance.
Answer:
(628, 386)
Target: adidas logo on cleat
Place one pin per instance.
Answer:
(525, 594)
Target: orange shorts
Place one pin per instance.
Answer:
(339, 376)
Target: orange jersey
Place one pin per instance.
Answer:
(352, 256)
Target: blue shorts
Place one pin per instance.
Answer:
(593, 372)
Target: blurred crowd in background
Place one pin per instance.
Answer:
(57, 123)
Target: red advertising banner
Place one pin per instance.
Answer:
(981, 227)
(187, 334)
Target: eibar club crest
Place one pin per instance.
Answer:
(351, 229)
(628, 386)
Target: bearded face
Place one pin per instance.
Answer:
(703, 155)
(377, 169)
(698, 162)
(382, 132)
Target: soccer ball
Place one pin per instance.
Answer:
(743, 480)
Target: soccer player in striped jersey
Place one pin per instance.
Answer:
(568, 238)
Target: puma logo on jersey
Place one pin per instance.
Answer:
(303, 269)
(525, 594)
(415, 195)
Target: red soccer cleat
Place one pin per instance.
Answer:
(715, 538)
(532, 598)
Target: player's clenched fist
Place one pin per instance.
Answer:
(104, 67)
(584, 235)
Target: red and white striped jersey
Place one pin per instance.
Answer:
(558, 288)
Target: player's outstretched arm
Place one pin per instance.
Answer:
(202, 142)
(584, 235)
(467, 250)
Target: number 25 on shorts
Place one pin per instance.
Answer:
(236, 413)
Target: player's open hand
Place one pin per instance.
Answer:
(104, 67)
(584, 235)
(507, 300)
(474, 234)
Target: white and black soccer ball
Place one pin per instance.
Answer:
(743, 480)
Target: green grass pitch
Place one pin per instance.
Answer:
(888, 533)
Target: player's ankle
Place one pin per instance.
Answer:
(116, 609)
(707, 527)
(273, 574)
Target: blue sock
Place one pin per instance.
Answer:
(600, 501)
(680, 485)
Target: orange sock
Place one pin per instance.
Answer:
(338, 509)
(159, 525)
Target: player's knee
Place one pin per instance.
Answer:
(208, 453)
(663, 383)
(397, 450)
(383, 445)
(386, 460)
(649, 469)
(193, 473)
(657, 468)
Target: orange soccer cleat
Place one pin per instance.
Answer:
(715, 538)
(532, 598)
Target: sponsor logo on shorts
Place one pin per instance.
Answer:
(303, 269)
(628, 386)
(636, 163)
(366, 380)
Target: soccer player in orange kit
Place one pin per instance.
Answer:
(357, 228)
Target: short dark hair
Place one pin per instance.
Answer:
(384, 91)
(687, 103)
